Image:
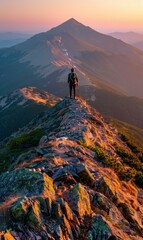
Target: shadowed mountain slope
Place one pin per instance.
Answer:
(21, 106)
(8, 39)
(69, 175)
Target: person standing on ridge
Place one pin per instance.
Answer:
(73, 82)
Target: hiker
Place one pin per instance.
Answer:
(73, 82)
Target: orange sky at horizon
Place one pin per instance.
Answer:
(103, 15)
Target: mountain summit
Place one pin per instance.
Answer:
(110, 71)
(70, 23)
(69, 175)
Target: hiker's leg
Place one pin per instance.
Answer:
(74, 90)
(70, 91)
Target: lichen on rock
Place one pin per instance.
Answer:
(78, 200)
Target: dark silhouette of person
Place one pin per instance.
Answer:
(73, 82)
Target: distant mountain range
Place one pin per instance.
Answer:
(9, 39)
(133, 38)
(21, 106)
(110, 71)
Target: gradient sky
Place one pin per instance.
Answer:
(41, 15)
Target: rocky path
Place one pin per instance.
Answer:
(61, 190)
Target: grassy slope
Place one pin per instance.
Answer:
(132, 132)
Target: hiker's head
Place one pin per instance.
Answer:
(72, 69)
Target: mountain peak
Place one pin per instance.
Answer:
(69, 25)
(72, 21)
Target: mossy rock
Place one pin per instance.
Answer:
(27, 210)
(34, 217)
(19, 211)
(99, 229)
(23, 182)
(56, 210)
(78, 200)
(66, 209)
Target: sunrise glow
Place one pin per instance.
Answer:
(35, 15)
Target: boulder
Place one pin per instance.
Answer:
(105, 186)
(34, 217)
(99, 200)
(129, 214)
(29, 211)
(77, 171)
(78, 200)
(23, 182)
(100, 230)
(84, 175)
(58, 233)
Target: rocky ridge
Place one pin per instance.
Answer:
(68, 186)
(19, 107)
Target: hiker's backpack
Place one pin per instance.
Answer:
(73, 78)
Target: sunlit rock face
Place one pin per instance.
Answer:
(65, 176)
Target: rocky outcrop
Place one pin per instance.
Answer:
(78, 200)
(66, 187)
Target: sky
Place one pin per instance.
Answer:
(41, 15)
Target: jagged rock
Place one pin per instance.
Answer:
(140, 196)
(19, 211)
(99, 200)
(40, 151)
(50, 237)
(78, 200)
(84, 175)
(8, 236)
(25, 182)
(63, 174)
(100, 230)
(24, 157)
(105, 186)
(56, 210)
(43, 140)
(58, 233)
(34, 217)
(66, 228)
(27, 210)
(78, 171)
(129, 215)
(67, 211)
